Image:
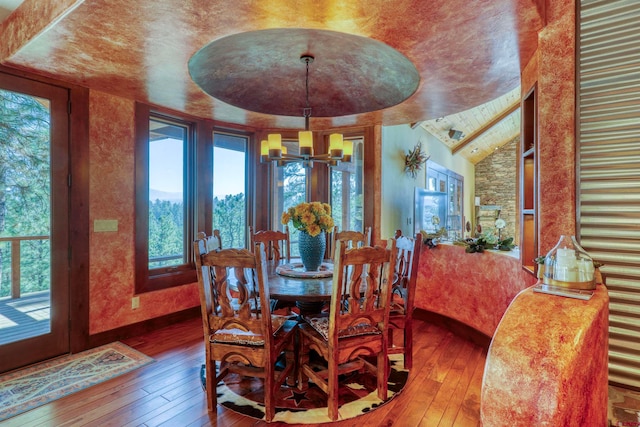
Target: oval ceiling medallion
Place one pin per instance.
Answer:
(261, 71)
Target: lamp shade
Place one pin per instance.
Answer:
(335, 145)
(264, 147)
(347, 147)
(275, 145)
(275, 141)
(347, 150)
(305, 139)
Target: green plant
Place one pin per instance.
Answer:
(505, 244)
(432, 239)
(485, 242)
(472, 245)
(540, 260)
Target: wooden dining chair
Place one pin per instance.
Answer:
(277, 243)
(356, 325)
(213, 242)
(352, 239)
(242, 340)
(403, 296)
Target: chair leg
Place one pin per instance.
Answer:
(333, 394)
(303, 360)
(269, 393)
(408, 347)
(210, 386)
(382, 375)
(291, 357)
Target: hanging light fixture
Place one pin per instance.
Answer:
(272, 149)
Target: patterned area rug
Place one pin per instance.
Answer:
(357, 396)
(36, 385)
(624, 407)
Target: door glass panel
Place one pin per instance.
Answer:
(229, 183)
(25, 217)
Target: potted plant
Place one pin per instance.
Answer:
(313, 220)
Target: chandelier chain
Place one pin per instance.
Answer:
(306, 111)
(339, 150)
(307, 84)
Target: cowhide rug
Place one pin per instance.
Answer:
(357, 396)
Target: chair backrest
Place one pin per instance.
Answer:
(362, 281)
(247, 271)
(277, 243)
(406, 270)
(210, 243)
(352, 239)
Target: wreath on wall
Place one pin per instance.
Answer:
(414, 160)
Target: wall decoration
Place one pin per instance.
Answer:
(414, 160)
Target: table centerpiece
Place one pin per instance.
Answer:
(313, 220)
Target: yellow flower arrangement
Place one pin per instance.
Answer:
(312, 218)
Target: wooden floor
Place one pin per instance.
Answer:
(443, 388)
(24, 317)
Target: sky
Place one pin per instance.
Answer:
(165, 172)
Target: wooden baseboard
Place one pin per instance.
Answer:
(455, 326)
(140, 328)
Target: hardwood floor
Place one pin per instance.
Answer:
(443, 388)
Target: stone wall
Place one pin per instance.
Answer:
(496, 184)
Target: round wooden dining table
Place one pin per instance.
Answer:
(309, 290)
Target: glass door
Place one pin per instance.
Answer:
(34, 286)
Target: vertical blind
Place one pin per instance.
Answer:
(609, 167)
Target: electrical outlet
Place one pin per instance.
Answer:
(135, 303)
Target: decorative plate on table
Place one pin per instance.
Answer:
(296, 269)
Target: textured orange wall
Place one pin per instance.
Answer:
(547, 364)
(549, 368)
(475, 289)
(553, 67)
(111, 270)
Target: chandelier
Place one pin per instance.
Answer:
(272, 150)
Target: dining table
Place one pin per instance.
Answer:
(309, 290)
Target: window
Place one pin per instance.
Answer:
(290, 189)
(168, 213)
(341, 185)
(184, 185)
(229, 188)
(166, 205)
(347, 191)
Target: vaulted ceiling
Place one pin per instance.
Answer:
(466, 53)
(483, 129)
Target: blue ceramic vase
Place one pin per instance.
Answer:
(312, 250)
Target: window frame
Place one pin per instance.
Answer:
(198, 197)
